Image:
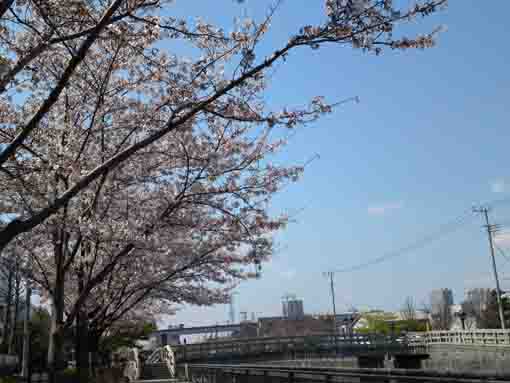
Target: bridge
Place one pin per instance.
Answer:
(269, 347)
(368, 358)
(171, 336)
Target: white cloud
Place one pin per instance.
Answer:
(289, 274)
(384, 208)
(499, 186)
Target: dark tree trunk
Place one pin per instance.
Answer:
(12, 333)
(56, 347)
(82, 336)
(94, 339)
(7, 315)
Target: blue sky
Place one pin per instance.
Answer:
(428, 140)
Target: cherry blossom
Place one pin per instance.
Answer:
(137, 179)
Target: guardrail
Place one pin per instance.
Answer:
(498, 338)
(211, 373)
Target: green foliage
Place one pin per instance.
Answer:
(8, 379)
(387, 324)
(412, 325)
(377, 323)
(69, 375)
(40, 336)
(71, 371)
(126, 336)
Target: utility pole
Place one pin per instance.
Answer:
(490, 229)
(232, 312)
(331, 275)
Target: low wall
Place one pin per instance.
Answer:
(442, 358)
(465, 358)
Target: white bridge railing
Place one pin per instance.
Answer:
(500, 338)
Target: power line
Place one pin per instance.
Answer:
(502, 253)
(497, 202)
(442, 231)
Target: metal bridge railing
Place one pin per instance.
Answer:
(251, 346)
(211, 373)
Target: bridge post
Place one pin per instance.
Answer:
(409, 361)
(371, 360)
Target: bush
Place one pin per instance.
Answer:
(8, 379)
(70, 371)
(69, 375)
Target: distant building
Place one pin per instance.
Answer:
(247, 330)
(305, 326)
(440, 301)
(478, 299)
(418, 315)
(293, 309)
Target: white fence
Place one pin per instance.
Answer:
(499, 338)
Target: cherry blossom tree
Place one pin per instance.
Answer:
(137, 179)
(58, 53)
(186, 217)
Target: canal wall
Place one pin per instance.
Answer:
(445, 358)
(464, 358)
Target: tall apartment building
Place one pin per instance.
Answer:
(440, 300)
(478, 298)
(293, 309)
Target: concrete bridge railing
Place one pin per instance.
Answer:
(496, 338)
